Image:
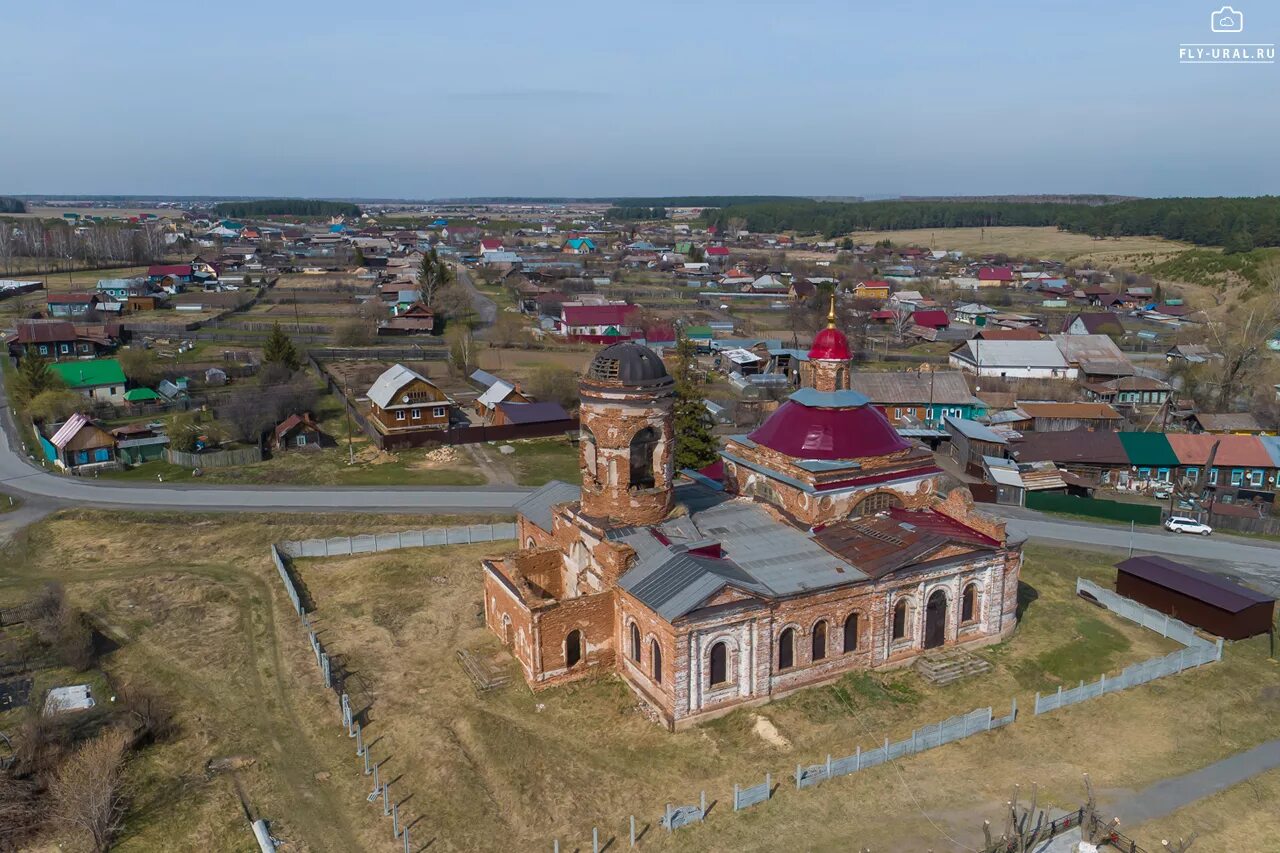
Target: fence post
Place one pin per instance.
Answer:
(595, 840)
(828, 765)
(797, 777)
(1102, 679)
(1014, 712)
(468, 534)
(360, 743)
(857, 759)
(386, 798)
(666, 816)
(1164, 632)
(1037, 702)
(913, 741)
(735, 796)
(702, 805)
(633, 830)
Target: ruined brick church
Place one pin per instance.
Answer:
(823, 548)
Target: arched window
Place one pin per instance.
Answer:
(506, 629)
(851, 632)
(643, 445)
(900, 619)
(588, 441)
(655, 661)
(573, 648)
(719, 664)
(873, 504)
(969, 603)
(787, 649)
(528, 543)
(819, 644)
(635, 642)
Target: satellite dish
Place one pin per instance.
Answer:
(404, 399)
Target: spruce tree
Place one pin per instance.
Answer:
(33, 378)
(696, 447)
(279, 349)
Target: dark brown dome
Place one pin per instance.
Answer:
(628, 365)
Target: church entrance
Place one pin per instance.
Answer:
(935, 620)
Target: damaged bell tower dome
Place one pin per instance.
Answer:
(628, 445)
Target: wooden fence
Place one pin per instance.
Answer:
(215, 458)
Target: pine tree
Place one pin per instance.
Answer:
(279, 349)
(34, 377)
(696, 447)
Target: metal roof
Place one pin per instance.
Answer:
(392, 380)
(537, 506)
(68, 430)
(496, 393)
(1210, 589)
(1148, 448)
(943, 388)
(974, 430)
(1044, 354)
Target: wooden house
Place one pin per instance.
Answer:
(403, 400)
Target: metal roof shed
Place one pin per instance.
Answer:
(1209, 602)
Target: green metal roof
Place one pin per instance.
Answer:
(1149, 449)
(698, 332)
(89, 374)
(140, 395)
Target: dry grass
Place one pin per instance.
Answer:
(200, 613)
(556, 763)
(1026, 241)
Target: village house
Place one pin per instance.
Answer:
(297, 432)
(72, 305)
(403, 400)
(597, 323)
(579, 246)
(102, 380)
(1060, 417)
(1013, 359)
(416, 319)
(876, 290)
(995, 277)
(61, 339)
(911, 398)
(1129, 392)
(971, 442)
(1238, 423)
(1096, 357)
(499, 391)
(1239, 461)
(80, 445)
(515, 413)
(825, 549)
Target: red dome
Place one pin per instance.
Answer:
(811, 432)
(830, 344)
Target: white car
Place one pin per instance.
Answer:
(1181, 524)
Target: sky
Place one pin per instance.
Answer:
(431, 100)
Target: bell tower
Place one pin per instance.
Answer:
(627, 443)
(829, 361)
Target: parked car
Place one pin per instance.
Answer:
(1181, 524)
(1162, 493)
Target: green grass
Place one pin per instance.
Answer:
(538, 462)
(1212, 268)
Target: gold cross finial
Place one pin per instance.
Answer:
(831, 315)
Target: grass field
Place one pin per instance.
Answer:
(1026, 241)
(556, 763)
(537, 462)
(199, 612)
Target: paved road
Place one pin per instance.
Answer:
(1231, 556)
(40, 488)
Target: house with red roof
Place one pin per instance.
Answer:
(610, 323)
(931, 319)
(63, 339)
(995, 276)
(876, 289)
(489, 245)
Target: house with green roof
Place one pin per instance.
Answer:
(1150, 454)
(99, 379)
(141, 395)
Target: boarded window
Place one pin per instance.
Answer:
(900, 620)
(655, 657)
(573, 648)
(876, 503)
(819, 644)
(787, 649)
(635, 642)
(969, 603)
(719, 664)
(643, 446)
(851, 632)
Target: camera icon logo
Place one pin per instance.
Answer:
(1226, 20)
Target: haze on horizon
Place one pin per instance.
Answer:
(411, 100)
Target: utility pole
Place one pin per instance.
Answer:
(346, 404)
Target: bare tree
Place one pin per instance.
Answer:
(87, 791)
(1241, 334)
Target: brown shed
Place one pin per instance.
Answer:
(1209, 602)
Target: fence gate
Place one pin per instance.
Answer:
(679, 816)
